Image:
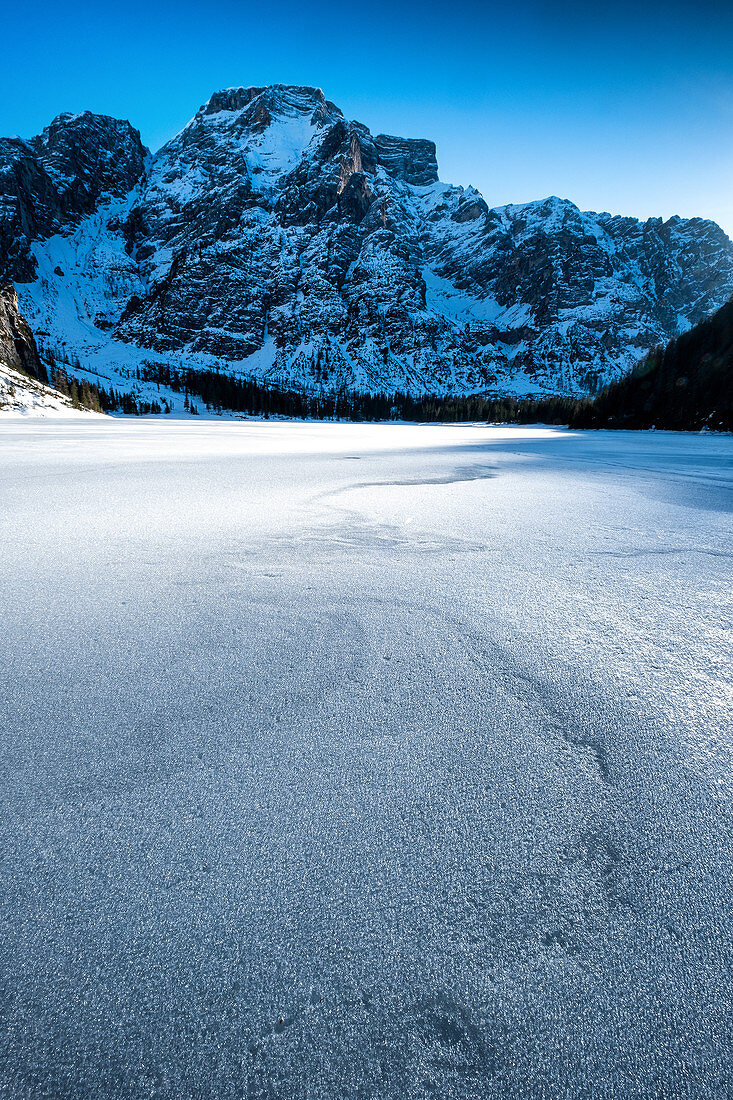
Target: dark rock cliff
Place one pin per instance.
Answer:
(17, 345)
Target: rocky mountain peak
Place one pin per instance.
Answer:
(263, 104)
(49, 183)
(91, 155)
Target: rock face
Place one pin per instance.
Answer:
(48, 184)
(274, 238)
(17, 346)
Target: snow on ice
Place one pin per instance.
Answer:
(384, 761)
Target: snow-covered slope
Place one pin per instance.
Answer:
(275, 239)
(23, 377)
(21, 395)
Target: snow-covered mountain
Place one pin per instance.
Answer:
(273, 238)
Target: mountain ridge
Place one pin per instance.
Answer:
(273, 238)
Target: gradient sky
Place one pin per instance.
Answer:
(627, 108)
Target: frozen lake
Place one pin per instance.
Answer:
(373, 762)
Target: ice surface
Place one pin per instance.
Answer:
(384, 761)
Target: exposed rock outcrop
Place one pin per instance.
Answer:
(17, 346)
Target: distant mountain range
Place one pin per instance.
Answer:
(275, 240)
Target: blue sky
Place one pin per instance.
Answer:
(628, 108)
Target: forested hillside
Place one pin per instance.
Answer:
(687, 385)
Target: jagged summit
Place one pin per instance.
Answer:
(306, 112)
(275, 238)
(275, 98)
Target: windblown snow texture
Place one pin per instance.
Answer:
(275, 239)
(365, 761)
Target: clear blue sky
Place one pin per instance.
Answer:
(627, 107)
